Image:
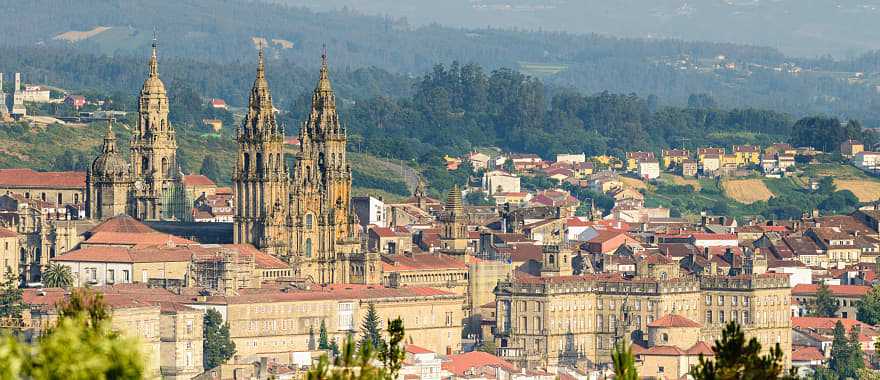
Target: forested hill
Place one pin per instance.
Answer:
(223, 32)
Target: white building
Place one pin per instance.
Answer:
(498, 181)
(479, 160)
(370, 210)
(34, 94)
(649, 169)
(571, 158)
(420, 363)
(867, 160)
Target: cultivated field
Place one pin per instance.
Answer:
(866, 190)
(681, 181)
(746, 190)
(632, 182)
(75, 35)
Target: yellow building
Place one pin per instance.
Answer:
(549, 321)
(274, 323)
(673, 157)
(633, 158)
(9, 251)
(747, 154)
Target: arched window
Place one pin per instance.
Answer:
(309, 221)
(309, 247)
(145, 164)
(665, 338)
(164, 165)
(551, 260)
(246, 165)
(259, 162)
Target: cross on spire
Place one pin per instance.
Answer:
(154, 61)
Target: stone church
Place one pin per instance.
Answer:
(304, 213)
(149, 186)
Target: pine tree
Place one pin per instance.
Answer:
(736, 358)
(844, 353)
(323, 343)
(371, 328)
(11, 302)
(210, 168)
(825, 305)
(217, 346)
(869, 307)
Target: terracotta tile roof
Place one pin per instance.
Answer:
(5, 233)
(25, 178)
(329, 292)
(126, 255)
(805, 354)
(837, 290)
(122, 223)
(461, 364)
(701, 347)
(383, 231)
(658, 351)
(423, 261)
(197, 180)
(413, 349)
(673, 320)
(224, 190)
(132, 239)
(262, 260)
(522, 252)
(819, 323)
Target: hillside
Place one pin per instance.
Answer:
(73, 147)
(223, 32)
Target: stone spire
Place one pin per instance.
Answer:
(109, 163)
(324, 100)
(109, 139)
(261, 113)
(453, 200)
(154, 61)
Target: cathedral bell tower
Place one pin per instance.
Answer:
(260, 179)
(453, 221)
(158, 190)
(107, 181)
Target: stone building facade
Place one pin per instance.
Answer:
(552, 320)
(305, 215)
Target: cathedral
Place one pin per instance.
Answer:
(150, 185)
(303, 213)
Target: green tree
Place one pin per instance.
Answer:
(371, 328)
(323, 343)
(217, 346)
(57, 276)
(210, 168)
(624, 363)
(11, 303)
(736, 358)
(825, 305)
(356, 362)
(846, 353)
(80, 346)
(869, 307)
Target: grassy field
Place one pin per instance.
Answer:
(681, 181)
(746, 191)
(865, 190)
(634, 183)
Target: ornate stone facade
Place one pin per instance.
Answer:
(150, 186)
(305, 215)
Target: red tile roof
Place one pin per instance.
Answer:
(27, 178)
(329, 292)
(673, 320)
(804, 354)
(122, 223)
(413, 349)
(262, 260)
(132, 239)
(658, 351)
(5, 233)
(422, 261)
(837, 290)
(461, 364)
(701, 347)
(820, 323)
(197, 180)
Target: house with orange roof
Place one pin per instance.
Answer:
(847, 296)
(516, 198)
(197, 185)
(672, 348)
(55, 187)
(425, 270)
(607, 241)
(389, 240)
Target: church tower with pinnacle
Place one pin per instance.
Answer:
(453, 234)
(158, 191)
(260, 178)
(108, 183)
(325, 239)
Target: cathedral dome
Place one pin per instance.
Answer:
(153, 85)
(110, 163)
